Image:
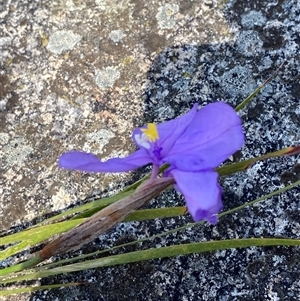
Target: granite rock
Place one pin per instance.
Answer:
(80, 74)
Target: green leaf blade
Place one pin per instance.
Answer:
(169, 251)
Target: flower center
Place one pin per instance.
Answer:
(146, 136)
(151, 132)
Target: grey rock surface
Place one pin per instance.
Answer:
(83, 74)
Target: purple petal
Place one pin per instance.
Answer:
(214, 134)
(201, 192)
(88, 162)
(171, 130)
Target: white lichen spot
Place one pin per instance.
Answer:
(166, 16)
(47, 117)
(97, 140)
(102, 4)
(3, 103)
(72, 6)
(62, 40)
(265, 63)
(4, 138)
(106, 78)
(60, 200)
(253, 18)
(249, 43)
(116, 35)
(238, 81)
(15, 152)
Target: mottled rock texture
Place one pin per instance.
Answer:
(78, 74)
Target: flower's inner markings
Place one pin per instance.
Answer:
(149, 134)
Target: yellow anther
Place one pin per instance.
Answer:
(151, 132)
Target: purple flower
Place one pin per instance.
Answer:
(193, 145)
